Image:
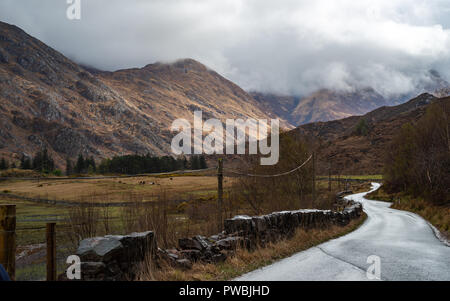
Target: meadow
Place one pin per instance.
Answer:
(173, 205)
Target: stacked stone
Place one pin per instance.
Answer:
(278, 225)
(213, 249)
(115, 257)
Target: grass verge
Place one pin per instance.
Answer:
(245, 261)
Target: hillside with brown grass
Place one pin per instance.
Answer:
(356, 153)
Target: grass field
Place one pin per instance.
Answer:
(114, 190)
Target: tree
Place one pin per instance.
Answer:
(202, 162)
(25, 162)
(43, 162)
(69, 167)
(92, 163)
(80, 166)
(4, 164)
(194, 162)
(22, 161)
(418, 159)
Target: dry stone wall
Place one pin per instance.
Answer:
(115, 257)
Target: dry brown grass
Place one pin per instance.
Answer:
(114, 190)
(245, 261)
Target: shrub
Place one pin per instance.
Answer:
(362, 128)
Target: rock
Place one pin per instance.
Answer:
(189, 244)
(92, 268)
(184, 264)
(216, 237)
(99, 249)
(193, 255)
(260, 224)
(203, 242)
(240, 223)
(115, 257)
(4, 58)
(229, 243)
(220, 257)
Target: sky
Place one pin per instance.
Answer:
(292, 47)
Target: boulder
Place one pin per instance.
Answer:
(204, 243)
(115, 257)
(99, 249)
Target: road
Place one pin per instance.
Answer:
(404, 242)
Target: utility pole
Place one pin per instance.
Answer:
(219, 192)
(314, 177)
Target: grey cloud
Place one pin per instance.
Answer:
(287, 46)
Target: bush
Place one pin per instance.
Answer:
(57, 173)
(362, 128)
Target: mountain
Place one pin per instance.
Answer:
(354, 153)
(322, 105)
(326, 104)
(171, 91)
(47, 100)
(277, 105)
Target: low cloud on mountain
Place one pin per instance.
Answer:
(285, 46)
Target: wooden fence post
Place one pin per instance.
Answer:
(220, 192)
(8, 239)
(51, 251)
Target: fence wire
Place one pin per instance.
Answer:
(269, 176)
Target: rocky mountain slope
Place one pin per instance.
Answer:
(353, 153)
(46, 100)
(170, 91)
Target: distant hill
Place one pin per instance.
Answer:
(353, 153)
